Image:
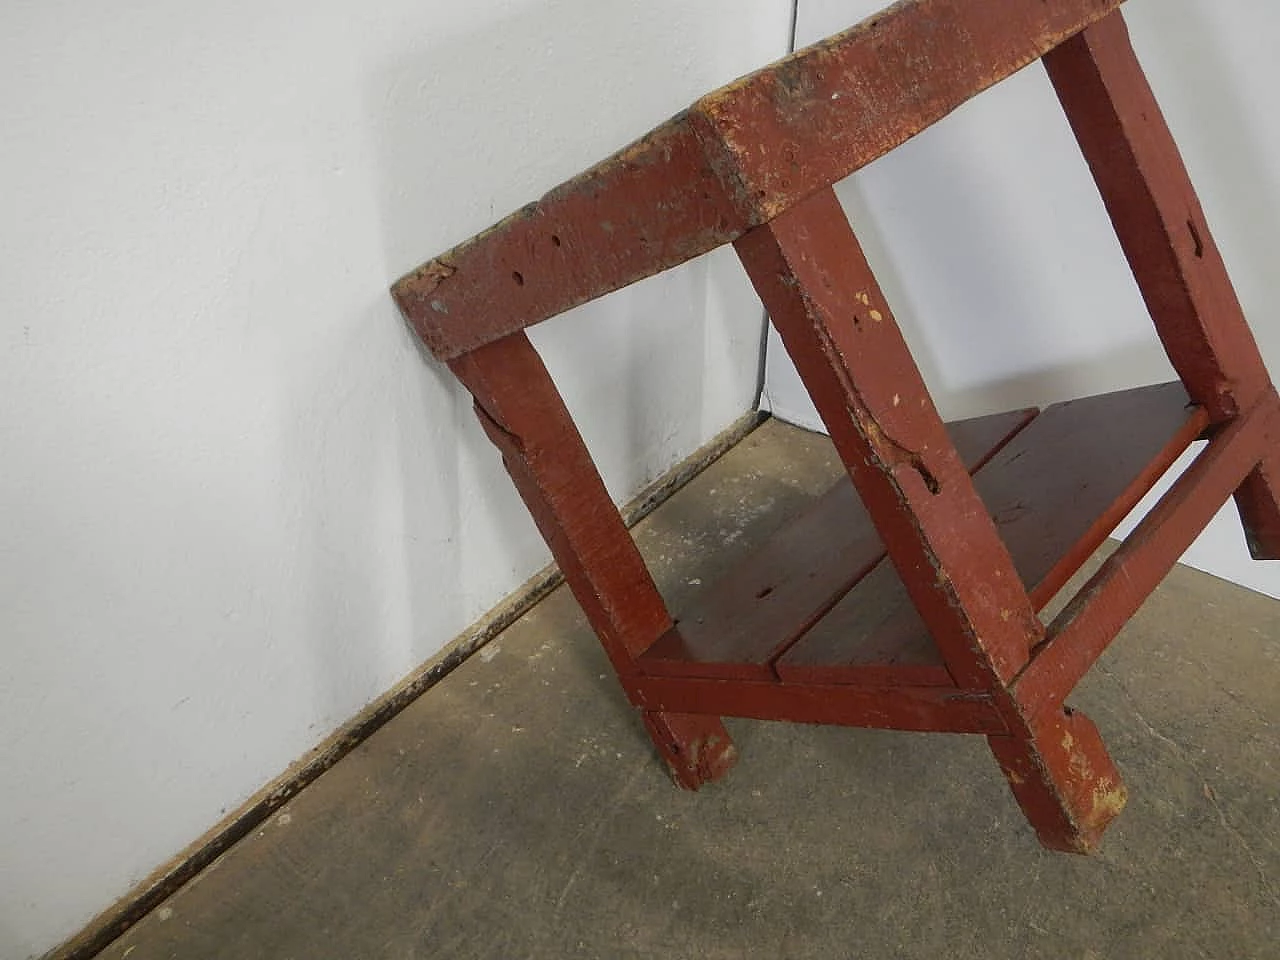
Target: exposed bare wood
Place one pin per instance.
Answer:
(1055, 491)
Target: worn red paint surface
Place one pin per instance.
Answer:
(950, 640)
(811, 274)
(730, 162)
(1083, 630)
(1170, 248)
(1055, 492)
(757, 610)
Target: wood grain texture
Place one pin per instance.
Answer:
(753, 163)
(736, 159)
(1063, 779)
(768, 600)
(1162, 228)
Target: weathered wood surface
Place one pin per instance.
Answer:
(1167, 240)
(652, 205)
(1055, 491)
(1258, 502)
(737, 158)
(526, 419)
(872, 637)
(764, 603)
(1058, 492)
(1157, 217)
(814, 118)
(1063, 778)
(1084, 628)
(753, 163)
(811, 274)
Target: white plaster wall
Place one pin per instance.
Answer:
(993, 247)
(237, 503)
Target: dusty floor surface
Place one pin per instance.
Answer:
(517, 810)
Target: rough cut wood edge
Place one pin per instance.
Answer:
(166, 880)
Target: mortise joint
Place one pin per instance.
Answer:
(930, 481)
(1195, 238)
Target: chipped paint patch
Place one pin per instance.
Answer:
(1109, 798)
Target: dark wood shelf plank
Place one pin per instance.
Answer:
(776, 593)
(1056, 491)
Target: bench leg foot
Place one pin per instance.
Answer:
(1258, 501)
(1063, 779)
(697, 749)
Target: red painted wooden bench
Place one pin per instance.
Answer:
(907, 597)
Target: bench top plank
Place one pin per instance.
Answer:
(737, 158)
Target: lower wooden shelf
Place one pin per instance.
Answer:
(820, 603)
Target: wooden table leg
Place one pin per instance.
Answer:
(811, 274)
(1162, 229)
(1063, 778)
(1258, 501)
(525, 417)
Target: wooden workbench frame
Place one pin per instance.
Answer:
(754, 164)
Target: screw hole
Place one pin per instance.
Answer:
(518, 277)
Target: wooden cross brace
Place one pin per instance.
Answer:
(908, 597)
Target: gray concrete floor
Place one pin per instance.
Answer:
(517, 810)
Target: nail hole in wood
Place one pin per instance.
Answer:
(555, 240)
(518, 277)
